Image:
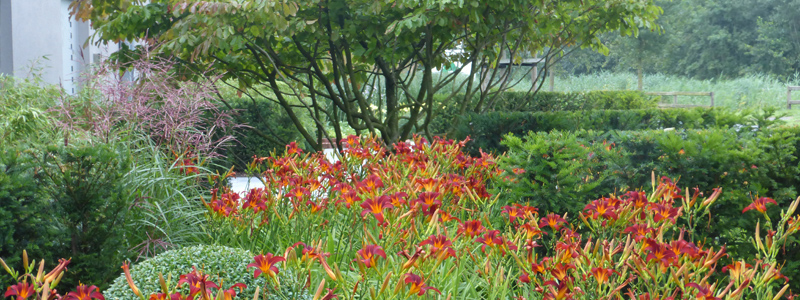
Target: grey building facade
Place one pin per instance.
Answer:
(40, 37)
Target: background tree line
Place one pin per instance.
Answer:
(705, 39)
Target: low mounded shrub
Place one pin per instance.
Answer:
(228, 264)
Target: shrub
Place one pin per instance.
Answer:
(90, 200)
(228, 264)
(487, 130)
(24, 211)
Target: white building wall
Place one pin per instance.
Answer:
(41, 33)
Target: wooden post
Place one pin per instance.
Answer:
(552, 82)
(712, 98)
(675, 99)
(788, 98)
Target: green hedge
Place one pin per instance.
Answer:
(486, 130)
(559, 101)
(543, 101)
(565, 170)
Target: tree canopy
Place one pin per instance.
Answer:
(365, 64)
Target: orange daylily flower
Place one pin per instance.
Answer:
(760, 204)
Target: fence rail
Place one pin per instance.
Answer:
(676, 94)
(789, 101)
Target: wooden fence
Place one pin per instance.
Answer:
(789, 101)
(676, 94)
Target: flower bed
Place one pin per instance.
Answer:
(419, 222)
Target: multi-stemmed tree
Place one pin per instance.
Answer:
(369, 65)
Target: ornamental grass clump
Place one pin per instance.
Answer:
(417, 221)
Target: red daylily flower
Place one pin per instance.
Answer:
(370, 184)
(198, 282)
(639, 231)
(552, 220)
(664, 212)
(265, 263)
(293, 149)
(351, 198)
(470, 228)
(255, 200)
(429, 200)
(760, 205)
(418, 285)
(703, 292)
(158, 296)
(638, 199)
(601, 208)
(660, 253)
(513, 213)
(398, 199)
(531, 230)
(230, 293)
(22, 290)
(428, 184)
(439, 243)
(602, 275)
(369, 254)
(376, 207)
(83, 292)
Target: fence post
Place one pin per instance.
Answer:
(788, 98)
(675, 99)
(712, 98)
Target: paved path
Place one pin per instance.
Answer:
(244, 184)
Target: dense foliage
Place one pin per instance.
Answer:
(487, 129)
(266, 130)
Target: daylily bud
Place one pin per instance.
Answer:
(781, 292)
(741, 288)
(131, 284)
(327, 268)
(758, 237)
(385, 282)
(258, 291)
(5, 266)
(163, 284)
(58, 279)
(45, 292)
(25, 260)
(321, 286)
(40, 273)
